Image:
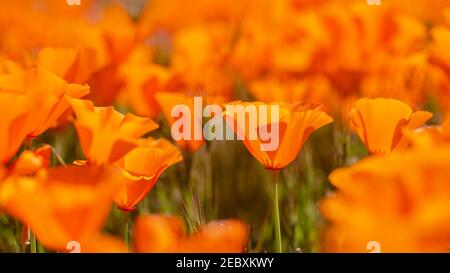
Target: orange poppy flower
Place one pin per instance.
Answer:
(398, 200)
(105, 134)
(296, 122)
(72, 65)
(64, 204)
(430, 135)
(47, 94)
(380, 123)
(142, 81)
(13, 127)
(167, 102)
(30, 162)
(8, 66)
(162, 234)
(105, 84)
(142, 167)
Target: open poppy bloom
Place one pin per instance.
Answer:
(13, 128)
(72, 65)
(399, 200)
(430, 135)
(47, 95)
(295, 123)
(380, 123)
(64, 204)
(8, 66)
(166, 234)
(142, 81)
(105, 134)
(30, 162)
(167, 102)
(142, 167)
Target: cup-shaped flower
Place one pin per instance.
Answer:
(13, 129)
(47, 96)
(105, 134)
(380, 123)
(287, 126)
(398, 200)
(142, 168)
(72, 65)
(30, 162)
(64, 204)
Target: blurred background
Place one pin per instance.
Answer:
(326, 51)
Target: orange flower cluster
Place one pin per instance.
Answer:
(115, 70)
(43, 76)
(399, 200)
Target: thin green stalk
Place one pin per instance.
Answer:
(209, 187)
(58, 157)
(276, 215)
(33, 246)
(126, 234)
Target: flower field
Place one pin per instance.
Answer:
(238, 126)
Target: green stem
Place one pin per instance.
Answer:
(209, 187)
(58, 157)
(276, 216)
(33, 246)
(127, 230)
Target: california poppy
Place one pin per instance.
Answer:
(13, 128)
(296, 122)
(105, 134)
(289, 124)
(161, 234)
(142, 167)
(8, 66)
(63, 204)
(397, 201)
(30, 162)
(47, 96)
(72, 65)
(437, 135)
(380, 123)
(142, 82)
(167, 102)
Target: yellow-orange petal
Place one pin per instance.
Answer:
(105, 134)
(380, 122)
(225, 236)
(142, 167)
(157, 233)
